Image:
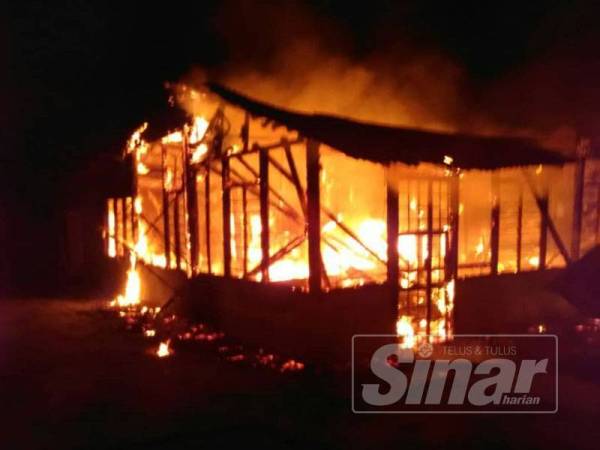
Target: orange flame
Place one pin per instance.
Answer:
(164, 349)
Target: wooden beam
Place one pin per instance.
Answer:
(134, 194)
(597, 238)
(207, 216)
(226, 199)
(124, 219)
(544, 222)
(165, 210)
(245, 228)
(295, 177)
(429, 260)
(495, 224)
(330, 215)
(177, 231)
(191, 195)
(279, 203)
(119, 249)
(290, 211)
(313, 170)
(578, 207)
(454, 221)
(281, 253)
(263, 162)
(245, 133)
(548, 222)
(393, 229)
(520, 230)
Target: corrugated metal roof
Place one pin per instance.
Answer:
(387, 144)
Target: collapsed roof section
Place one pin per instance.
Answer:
(387, 144)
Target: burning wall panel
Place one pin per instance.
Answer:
(590, 235)
(353, 220)
(475, 231)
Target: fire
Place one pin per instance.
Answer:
(287, 270)
(142, 169)
(365, 253)
(135, 141)
(480, 247)
(164, 349)
(173, 138)
(292, 365)
(112, 243)
(141, 246)
(404, 329)
(534, 261)
(199, 153)
(198, 129)
(407, 248)
(131, 296)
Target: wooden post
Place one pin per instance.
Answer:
(245, 227)
(429, 259)
(226, 198)
(597, 238)
(495, 229)
(393, 228)
(454, 223)
(135, 232)
(245, 133)
(578, 207)
(263, 162)
(165, 212)
(520, 229)
(314, 215)
(543, 230)
(191, 195)
(124, 220)
(106, 233)
(207, 216)
(118, 243)
(177, 231)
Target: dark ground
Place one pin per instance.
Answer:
(72, 378)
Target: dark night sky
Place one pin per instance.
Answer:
(77, 76)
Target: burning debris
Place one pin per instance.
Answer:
(171, 331)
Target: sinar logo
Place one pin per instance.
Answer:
(486, 376)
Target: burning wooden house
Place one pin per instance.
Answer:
(302, 230)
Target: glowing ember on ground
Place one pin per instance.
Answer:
(144, 318)
(292, 366)
(164, 349)
(539, 328)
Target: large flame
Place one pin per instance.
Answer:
(131, 296)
